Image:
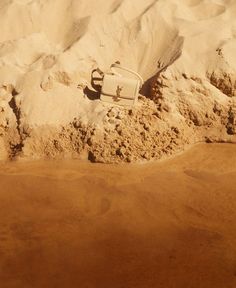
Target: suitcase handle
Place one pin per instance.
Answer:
(116, 65)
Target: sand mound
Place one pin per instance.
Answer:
(183, 49)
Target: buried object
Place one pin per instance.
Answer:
(119, 89)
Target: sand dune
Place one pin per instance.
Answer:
(71, 224)
(183, 49)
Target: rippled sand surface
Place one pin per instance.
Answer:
(73, 224)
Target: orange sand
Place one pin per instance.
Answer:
(74, 224)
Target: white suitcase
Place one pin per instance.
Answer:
(120, 90)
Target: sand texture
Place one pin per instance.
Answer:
(184, 49)
(70, 224)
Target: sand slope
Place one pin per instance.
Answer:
(49, 47)
(73, 224)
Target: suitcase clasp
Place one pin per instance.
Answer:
(118, 91)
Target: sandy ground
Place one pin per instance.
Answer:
(74, 224)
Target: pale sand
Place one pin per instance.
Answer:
(74, 224)
(184, 50)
